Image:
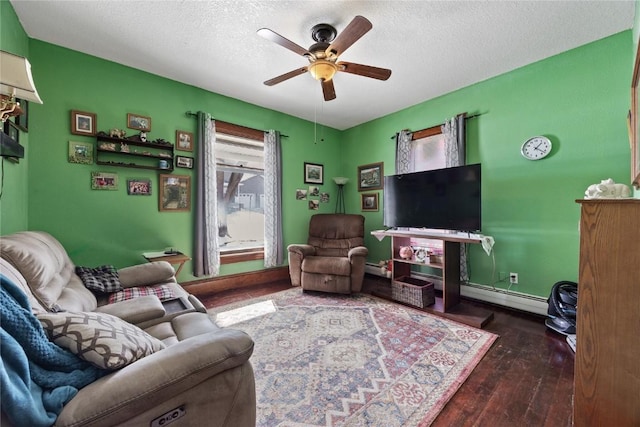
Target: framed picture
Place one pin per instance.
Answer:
(142, 123)
(175, 193)
(184, 140)
(104, 181)
(369, 202)
(313, 173)
(371, 177)
(139, 187)
(301, 194)
(81, 152)
(11, 129)
(83, 123)
(22, 120)
(314, 205)
(184, 162)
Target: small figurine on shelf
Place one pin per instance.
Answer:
(386, 267)
(117, 133)
(406, 252)
(110, 146)
(124, 148)
(141, 137)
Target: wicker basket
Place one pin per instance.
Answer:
(412, 291)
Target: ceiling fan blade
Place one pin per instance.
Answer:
(357, 28)
(328, 90)
(364, 70)
(285, 76)
(282, 41)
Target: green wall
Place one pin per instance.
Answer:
(579, 99)
(110, 226)
(14, 180)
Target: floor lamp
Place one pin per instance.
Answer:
(340, 182)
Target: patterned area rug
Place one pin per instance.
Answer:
(336, 360)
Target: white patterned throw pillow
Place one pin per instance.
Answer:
(106, 341)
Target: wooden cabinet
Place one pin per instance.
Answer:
(449, 304)
(133, 154)
(607, 369)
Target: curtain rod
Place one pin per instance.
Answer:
(189, 113)
(466, 118)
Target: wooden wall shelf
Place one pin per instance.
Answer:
(136, 157)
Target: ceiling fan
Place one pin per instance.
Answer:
(323, 55)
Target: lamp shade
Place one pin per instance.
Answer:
(322, 70)
(340, 180)
(16, 79)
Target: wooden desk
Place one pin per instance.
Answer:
(179, 259)
(449, 305)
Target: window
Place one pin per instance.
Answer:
(428, 150)
(240, 188)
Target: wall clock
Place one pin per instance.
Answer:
(536, 148)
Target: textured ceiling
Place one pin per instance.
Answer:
(433, 47)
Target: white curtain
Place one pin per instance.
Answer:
(206, 252)
(273, 245)
(454, 143)
(403, 152)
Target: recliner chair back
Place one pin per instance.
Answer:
(335, 234)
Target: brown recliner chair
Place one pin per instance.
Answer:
(334, 258)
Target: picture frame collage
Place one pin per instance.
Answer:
(313, 174)
(370, 178)
(174, 191)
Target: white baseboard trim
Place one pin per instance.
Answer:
(516, 300)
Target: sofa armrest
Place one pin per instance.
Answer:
(152, 273)
(135, 310)
(358, 251)
(144, 384)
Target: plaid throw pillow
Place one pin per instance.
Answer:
(100, 279)
(163, 292)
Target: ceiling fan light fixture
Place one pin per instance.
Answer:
(323, 70)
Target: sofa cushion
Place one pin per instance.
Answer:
(102, 279)
(99, 338)
(163, 292)
(47, 269)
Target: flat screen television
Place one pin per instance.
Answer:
(447, 199)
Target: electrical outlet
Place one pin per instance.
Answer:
(513, 278)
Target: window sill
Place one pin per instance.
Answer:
(241, 256)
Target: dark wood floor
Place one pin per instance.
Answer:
(526, 378)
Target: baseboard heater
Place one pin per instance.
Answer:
(510, 299)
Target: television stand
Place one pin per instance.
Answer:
(449, 304)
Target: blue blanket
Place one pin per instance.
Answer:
(37, 377)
